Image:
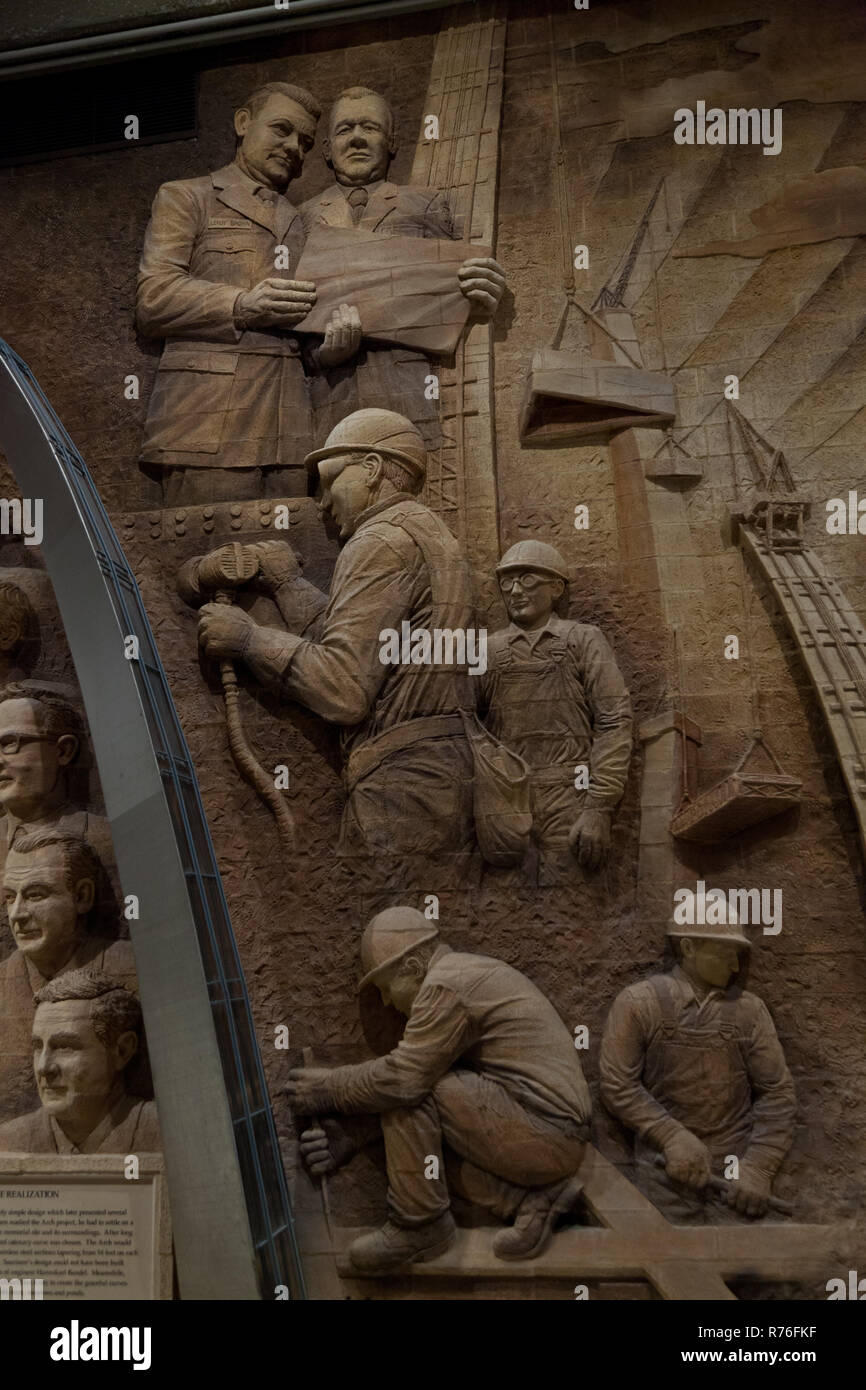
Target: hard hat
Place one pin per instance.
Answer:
(390, 936)
(533, 555)
(384, 431)
(721, 931)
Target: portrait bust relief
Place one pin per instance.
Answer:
(86, 1030)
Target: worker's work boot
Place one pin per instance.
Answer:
(533, 1224)
(392, 1246)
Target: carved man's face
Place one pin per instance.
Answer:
(400, 989)
(714, 962)
(347, 487)
(75, 1070)
(359, 144)
(529, 596)
(30, 763)
(275, 141)
(47, 917)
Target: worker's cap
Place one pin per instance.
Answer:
(390, 936)
(375, 431)
(533, 555)
(728, 930)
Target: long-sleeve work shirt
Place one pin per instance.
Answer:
(715, 1067)
(382, 578)
(479, 1013)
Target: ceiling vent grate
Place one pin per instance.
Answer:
(86, 111)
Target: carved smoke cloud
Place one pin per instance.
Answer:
(667, 61)
(817, 207)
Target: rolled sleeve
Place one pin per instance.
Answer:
(340, 675)
(437, 1032)
(301, 606)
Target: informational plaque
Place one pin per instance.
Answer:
(405, 288)
(83, 1229)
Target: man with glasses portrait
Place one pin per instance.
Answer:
(41, 750)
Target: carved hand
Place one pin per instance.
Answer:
(307, 1089)
(278, 563)
(687, 1160)
(482, 280)
(224, 631)
(750, 1193)
(342, 336)
(275, 303)
(589, 839)
(326, 1146)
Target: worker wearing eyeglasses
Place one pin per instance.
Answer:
(554, 694)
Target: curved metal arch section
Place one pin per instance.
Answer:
(232, 1219)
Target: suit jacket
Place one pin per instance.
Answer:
(131, 1127)
(390, 377)
(392, 210)
(208, 240)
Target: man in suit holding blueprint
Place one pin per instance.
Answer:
(359, 148)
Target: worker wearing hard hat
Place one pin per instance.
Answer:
(691, 1062)
(485, 1067)
(553, 693)
(408, 767)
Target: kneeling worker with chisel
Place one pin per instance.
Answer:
(692, 1063)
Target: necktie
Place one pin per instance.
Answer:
(357, 201)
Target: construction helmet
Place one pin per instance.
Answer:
(533, 555)
(390, 936)
(380, 431)
(721, 931)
